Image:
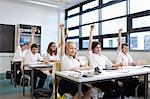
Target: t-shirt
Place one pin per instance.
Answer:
(53, 57)
(125, 59)
(98, 60)
(30, 58)
(68, 63)
(19, 54)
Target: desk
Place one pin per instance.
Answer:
(35, 66)
(14, 65)
(105, 75)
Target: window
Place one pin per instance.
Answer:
(140, 41)
(115, 10)
(90, 17)
(76, 41)
(85, 43)
(141, 22)
(86, 30)
(73, 11)
(112, 42)
(73, 21)
(90, 5)
(72, 33)
(139, 5)
(109, 27)
(108, 17)
(106, 1)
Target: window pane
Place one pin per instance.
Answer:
(72, 33)
(85, 43)
(140, 41)
(112, 26)
(141, 22)
(119, 9)
(90, 17)
(76, 41)
(86, 30)
(106, 1)
(73, 11)
(73, 21)
(112, 42)
(139, 5)
(90, 5)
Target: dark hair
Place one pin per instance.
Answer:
(125, 44)
(94, 44)
(49, 49)
(34, 46)
(24, 44)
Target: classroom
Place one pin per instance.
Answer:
(82, 49)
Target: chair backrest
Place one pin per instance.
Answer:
(83, 60)
(142, 62)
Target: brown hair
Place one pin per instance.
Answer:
(49, 49)
(125, 44)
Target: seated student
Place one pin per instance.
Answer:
(130, 83)
(52, 55)
(32, 56)
(122, 53)
(97, 60)
(20, 52)
(69, 62)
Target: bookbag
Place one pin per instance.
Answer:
(140, 89)
(42, 92)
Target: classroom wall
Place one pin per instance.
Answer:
(12, 12)
(136, 55)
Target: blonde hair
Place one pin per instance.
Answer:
(67, 44)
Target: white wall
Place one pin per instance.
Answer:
(135, 55)
(12, 12)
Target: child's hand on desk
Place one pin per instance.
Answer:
(133, 64)
(45, 62)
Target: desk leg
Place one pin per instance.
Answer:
(146, 86)
(15, 73)
(32, 83)
(23, 83)
(55, 86)
(11, 72)
(79, 91)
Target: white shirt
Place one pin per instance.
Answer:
(98, 60)
(68, 63)
(125, 59)
(53, 57)
(19, 54)
(30, 58)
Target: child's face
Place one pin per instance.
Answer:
(71, 49)
(53, 47)
(24, 47)
(97, 49)
(125, 49)
(34, 50)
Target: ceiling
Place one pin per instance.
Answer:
(61, 3)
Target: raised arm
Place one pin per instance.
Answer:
(62, 39)
(90, 37)
(119, 39)
(34, 29)
(66, 36)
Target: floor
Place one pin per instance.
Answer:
(8, 91)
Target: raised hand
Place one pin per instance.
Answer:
(34, 29)
(61, 26)
(120, 30)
